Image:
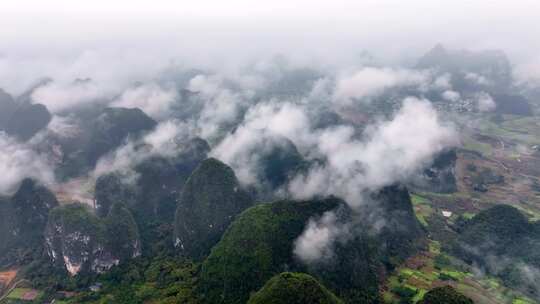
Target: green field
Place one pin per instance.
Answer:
(18, 293)
(422, 208)
(477, 146)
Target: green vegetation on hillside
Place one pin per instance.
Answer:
(257, 245)
(209, 202)
(445, 295)
(293, 288)
(122, 233)
(23, 220)
(161, 279)
(504, 243)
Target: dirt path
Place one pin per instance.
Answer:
(6, 277)
(12, 288)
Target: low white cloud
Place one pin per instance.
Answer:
(59, 97)
(155, 100)
(166, 139)
(528, 72)
(321, 90)
(222, 106)
(477, 78)
(19, 161)
(63, 126)
(450, 95)
(262, 125)
(390, 151)
(90, 74)
(484, 102)
(371, 81)
(443, 82)
(316, 241)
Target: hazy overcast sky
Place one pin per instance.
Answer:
(478, 23)
(223, 31)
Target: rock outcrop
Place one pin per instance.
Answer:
(80, 242)
(75, 241)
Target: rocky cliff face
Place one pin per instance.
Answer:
(24, 217)
(78, 241)
(74, 240)
(209, 202)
